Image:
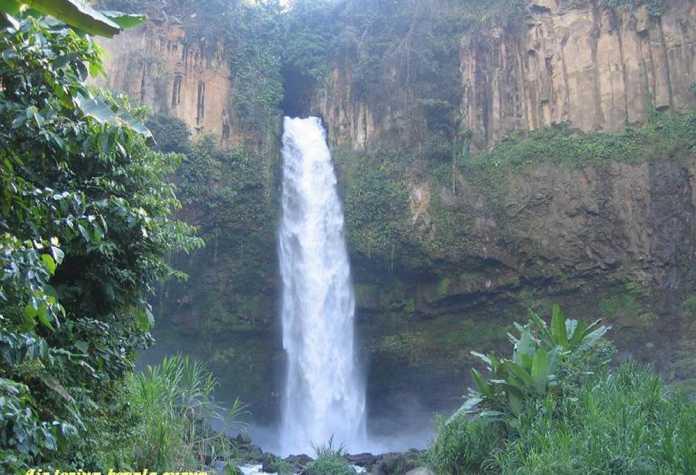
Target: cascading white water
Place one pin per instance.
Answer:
(324, 395)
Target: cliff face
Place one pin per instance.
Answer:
(160, 67)
(595, 68)
(466, 251)
(573, 62)
(549, 227)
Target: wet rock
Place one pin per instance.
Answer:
(299, 462)
(366, 460)
(247, 450)
(397, 463)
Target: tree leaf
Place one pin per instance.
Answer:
(43, 317)
(124, 20)
(49, 263)
(102, 113)
(144, 319)
(10, 6)
(55, 385)
(6, 19)
(77, 14)
(541, 369)
(558, 327)
(482, 385)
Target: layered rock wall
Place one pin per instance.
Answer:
(160, 67)
(594, 68)
(574, 62)
(561, 228)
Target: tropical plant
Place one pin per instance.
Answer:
(329, 460)
(465, 445)
(75, 13)
(85, 230)
(625, 421)
(176, 401)
(539, 353)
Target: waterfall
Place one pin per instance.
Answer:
(324, 395)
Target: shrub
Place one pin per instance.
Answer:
(541, 354)
(176, 404)
(280, 467)
(85, 230)
(587, 420)
(329, 460)
(464, 445)
(620, 423)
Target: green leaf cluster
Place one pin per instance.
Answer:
(330, 460)
(541, 354)
(85, 229)
(76, 13)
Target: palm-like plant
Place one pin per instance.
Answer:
(539, 352)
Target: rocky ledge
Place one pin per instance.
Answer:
(255, 461)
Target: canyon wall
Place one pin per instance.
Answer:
(445, 252)
(576, 62)
(565, 61)
(159, 66)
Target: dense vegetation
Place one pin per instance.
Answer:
(86, 227)
(555, 407)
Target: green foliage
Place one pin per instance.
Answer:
(76, 14)
(541, 354)
(255, 45)
(171, 135)
(375, 204)
(175, 402)
(656, 8)
(309, 33)
(589, 420)
(665, 135)
(226, 198)
(280, 467)
(625, 422)
(329, 460)
(465, 445)
(86, 227)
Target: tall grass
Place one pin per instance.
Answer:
(465, 445)
(625, 422)
(620, 422)
(579, 417)
(329, 460)
(175, 402)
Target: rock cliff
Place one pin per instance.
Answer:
(446, 252)
(565, 61)
(159, 66)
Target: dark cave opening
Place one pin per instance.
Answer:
(297, 92)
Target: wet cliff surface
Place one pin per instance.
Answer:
(449, 242)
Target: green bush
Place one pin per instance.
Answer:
(329, 460)
(465, 445)
(280, 467)
(586, 420)
(176, 406)
(545, 360)
(625, 422)
(86, 226)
